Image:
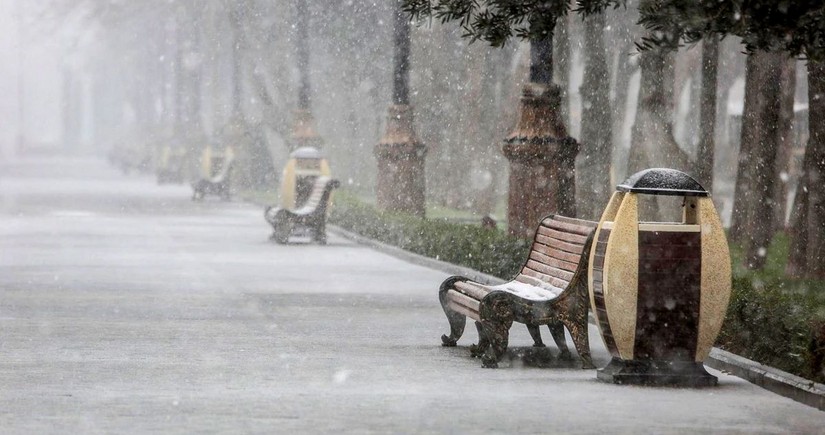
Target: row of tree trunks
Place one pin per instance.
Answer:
(807, 255)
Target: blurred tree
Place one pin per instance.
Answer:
(563, 58)
(593, 182)
(540, 152)
(798, 28)
(753, 203)
(653, 144)
(782, 188)
(707, 112)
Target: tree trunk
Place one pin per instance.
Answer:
(707, 112)
(653, 144)
(762, 133)
(807, 257)
(786, 142)
(593, 182)
(562, 57)
(750, 132)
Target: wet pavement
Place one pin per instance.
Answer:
(127, 308)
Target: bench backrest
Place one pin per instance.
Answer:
(320, 194)
(225, 170)
(557, 250)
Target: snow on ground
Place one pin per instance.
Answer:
(125, 307)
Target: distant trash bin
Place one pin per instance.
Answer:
(659, 290)
(304, 166)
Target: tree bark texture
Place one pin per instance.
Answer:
(707, 113)
(653, 144)
(760, 142)
(560, 58)
(807, 256)
(593, 184)
(786, 142)
(235, 17)
(624, 61)
(401, 58)
(302, 51)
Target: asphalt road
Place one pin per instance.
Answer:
(127, 308)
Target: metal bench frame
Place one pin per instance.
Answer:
(497, 309)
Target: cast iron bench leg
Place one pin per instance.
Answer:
(536, 334)
(478, 349)
(496, 319)
(557, 331)
(457, 320)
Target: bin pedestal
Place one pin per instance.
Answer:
(676, 373)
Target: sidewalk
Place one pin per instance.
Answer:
(126, 308)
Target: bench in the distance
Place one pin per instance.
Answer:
(312, 215)
(551, 289)
(215, 185)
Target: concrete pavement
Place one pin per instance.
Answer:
(127, 308)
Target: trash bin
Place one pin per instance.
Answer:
(303, 167)
(659, 290)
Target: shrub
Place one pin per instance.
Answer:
(765, 323)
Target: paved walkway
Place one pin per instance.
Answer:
(127, 308)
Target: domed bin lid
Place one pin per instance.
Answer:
(306, 153)
(662, 181)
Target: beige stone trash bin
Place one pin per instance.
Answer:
(659, 290)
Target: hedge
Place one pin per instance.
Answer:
(487, 250)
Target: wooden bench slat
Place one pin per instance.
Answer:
(556, 282)
(472, 289)
(568, 227)
(550, 271)
(536, 274)
(575, 221)
(573, 248)
(560, 235)
(556, 253)
(461, 309)
(550, 261)
(464, 300)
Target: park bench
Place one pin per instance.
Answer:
(310, 216)
(218, 184)
(551, 289)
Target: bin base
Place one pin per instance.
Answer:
(672, 373)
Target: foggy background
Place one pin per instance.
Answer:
(90, 77)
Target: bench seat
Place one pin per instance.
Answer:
(550, 289)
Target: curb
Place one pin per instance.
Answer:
(774, 380)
